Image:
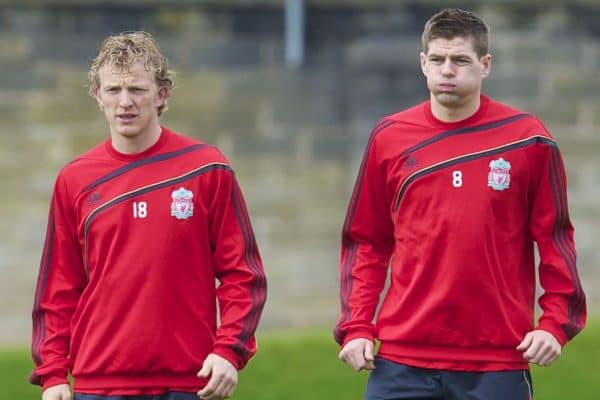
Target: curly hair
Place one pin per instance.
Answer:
(123, 50)
(453, 22)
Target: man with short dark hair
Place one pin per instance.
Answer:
(140, 228)
(452, 194)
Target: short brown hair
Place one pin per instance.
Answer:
(123, 50)
(453, 22)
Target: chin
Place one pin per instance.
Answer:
(127, 130)
(128, 133)
(448, 99)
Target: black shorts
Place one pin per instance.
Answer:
(393, 381)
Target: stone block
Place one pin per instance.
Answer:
(543, 50)
(249, 146)
(199, 99)
(25, 77)
(517, 84)
(227, 53)
(15, 48)
(312, 96)
(562, 112)
(331, 147)
(576, 85)
(372, 53)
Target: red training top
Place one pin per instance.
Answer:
(126, 292)
(457, 207)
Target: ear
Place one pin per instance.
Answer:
(98, 99)
(163, 94)
(423, 60)
(486, 63)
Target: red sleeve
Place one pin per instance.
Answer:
(367, 244)
(238, 267)
(563, 301)
(60, 282)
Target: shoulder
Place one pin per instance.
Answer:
(406, 120)
(83, 160)
(520, 118)
(206, 152)
(414, 114)
(410, 117)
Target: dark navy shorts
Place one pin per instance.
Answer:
(165, 396)
(391, 381)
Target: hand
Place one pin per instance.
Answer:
(57, 392)
(358, 353)
(223, 378)
(540, 347)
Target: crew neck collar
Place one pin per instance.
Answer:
(483, 105)
(162, 139)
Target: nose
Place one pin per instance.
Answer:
(447, 68)
(125, 99)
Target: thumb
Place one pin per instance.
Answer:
(206, 368)
(369, 351)
(526, 342)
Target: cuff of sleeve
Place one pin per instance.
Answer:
(53, 381)
(364, 334)
(555, 330)
(231, 356)
(48, 378)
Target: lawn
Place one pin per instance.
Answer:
(294, 365)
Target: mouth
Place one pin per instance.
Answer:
(447, 86)
(126, 117)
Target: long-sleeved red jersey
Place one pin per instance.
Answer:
(454, 209)
(126, 294)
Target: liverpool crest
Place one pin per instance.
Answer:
(181, 205)
(499, 176)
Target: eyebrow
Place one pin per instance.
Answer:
(453, 56)
(118, 84)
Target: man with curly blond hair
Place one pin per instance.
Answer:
(140, 229)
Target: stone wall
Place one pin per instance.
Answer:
(295, 137)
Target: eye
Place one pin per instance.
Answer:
(463, 61)
(436, 60)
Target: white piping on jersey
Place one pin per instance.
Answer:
(131, 192)
(407, 179)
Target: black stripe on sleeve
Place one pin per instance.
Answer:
(349, 247)
(576, 302)
(258, 285)
(39, 320)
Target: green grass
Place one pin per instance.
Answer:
(294, 365)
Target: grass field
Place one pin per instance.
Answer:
(303, 366)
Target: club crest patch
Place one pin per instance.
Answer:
(182, 206)
(499, 176)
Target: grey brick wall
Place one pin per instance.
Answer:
(295, 136)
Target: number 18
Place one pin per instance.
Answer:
(140, 209)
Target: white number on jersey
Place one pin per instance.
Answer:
(140, 209)
(457, 180)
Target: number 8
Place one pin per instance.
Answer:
(457, 180)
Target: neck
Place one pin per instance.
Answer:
(135, 144)
(456, 112)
